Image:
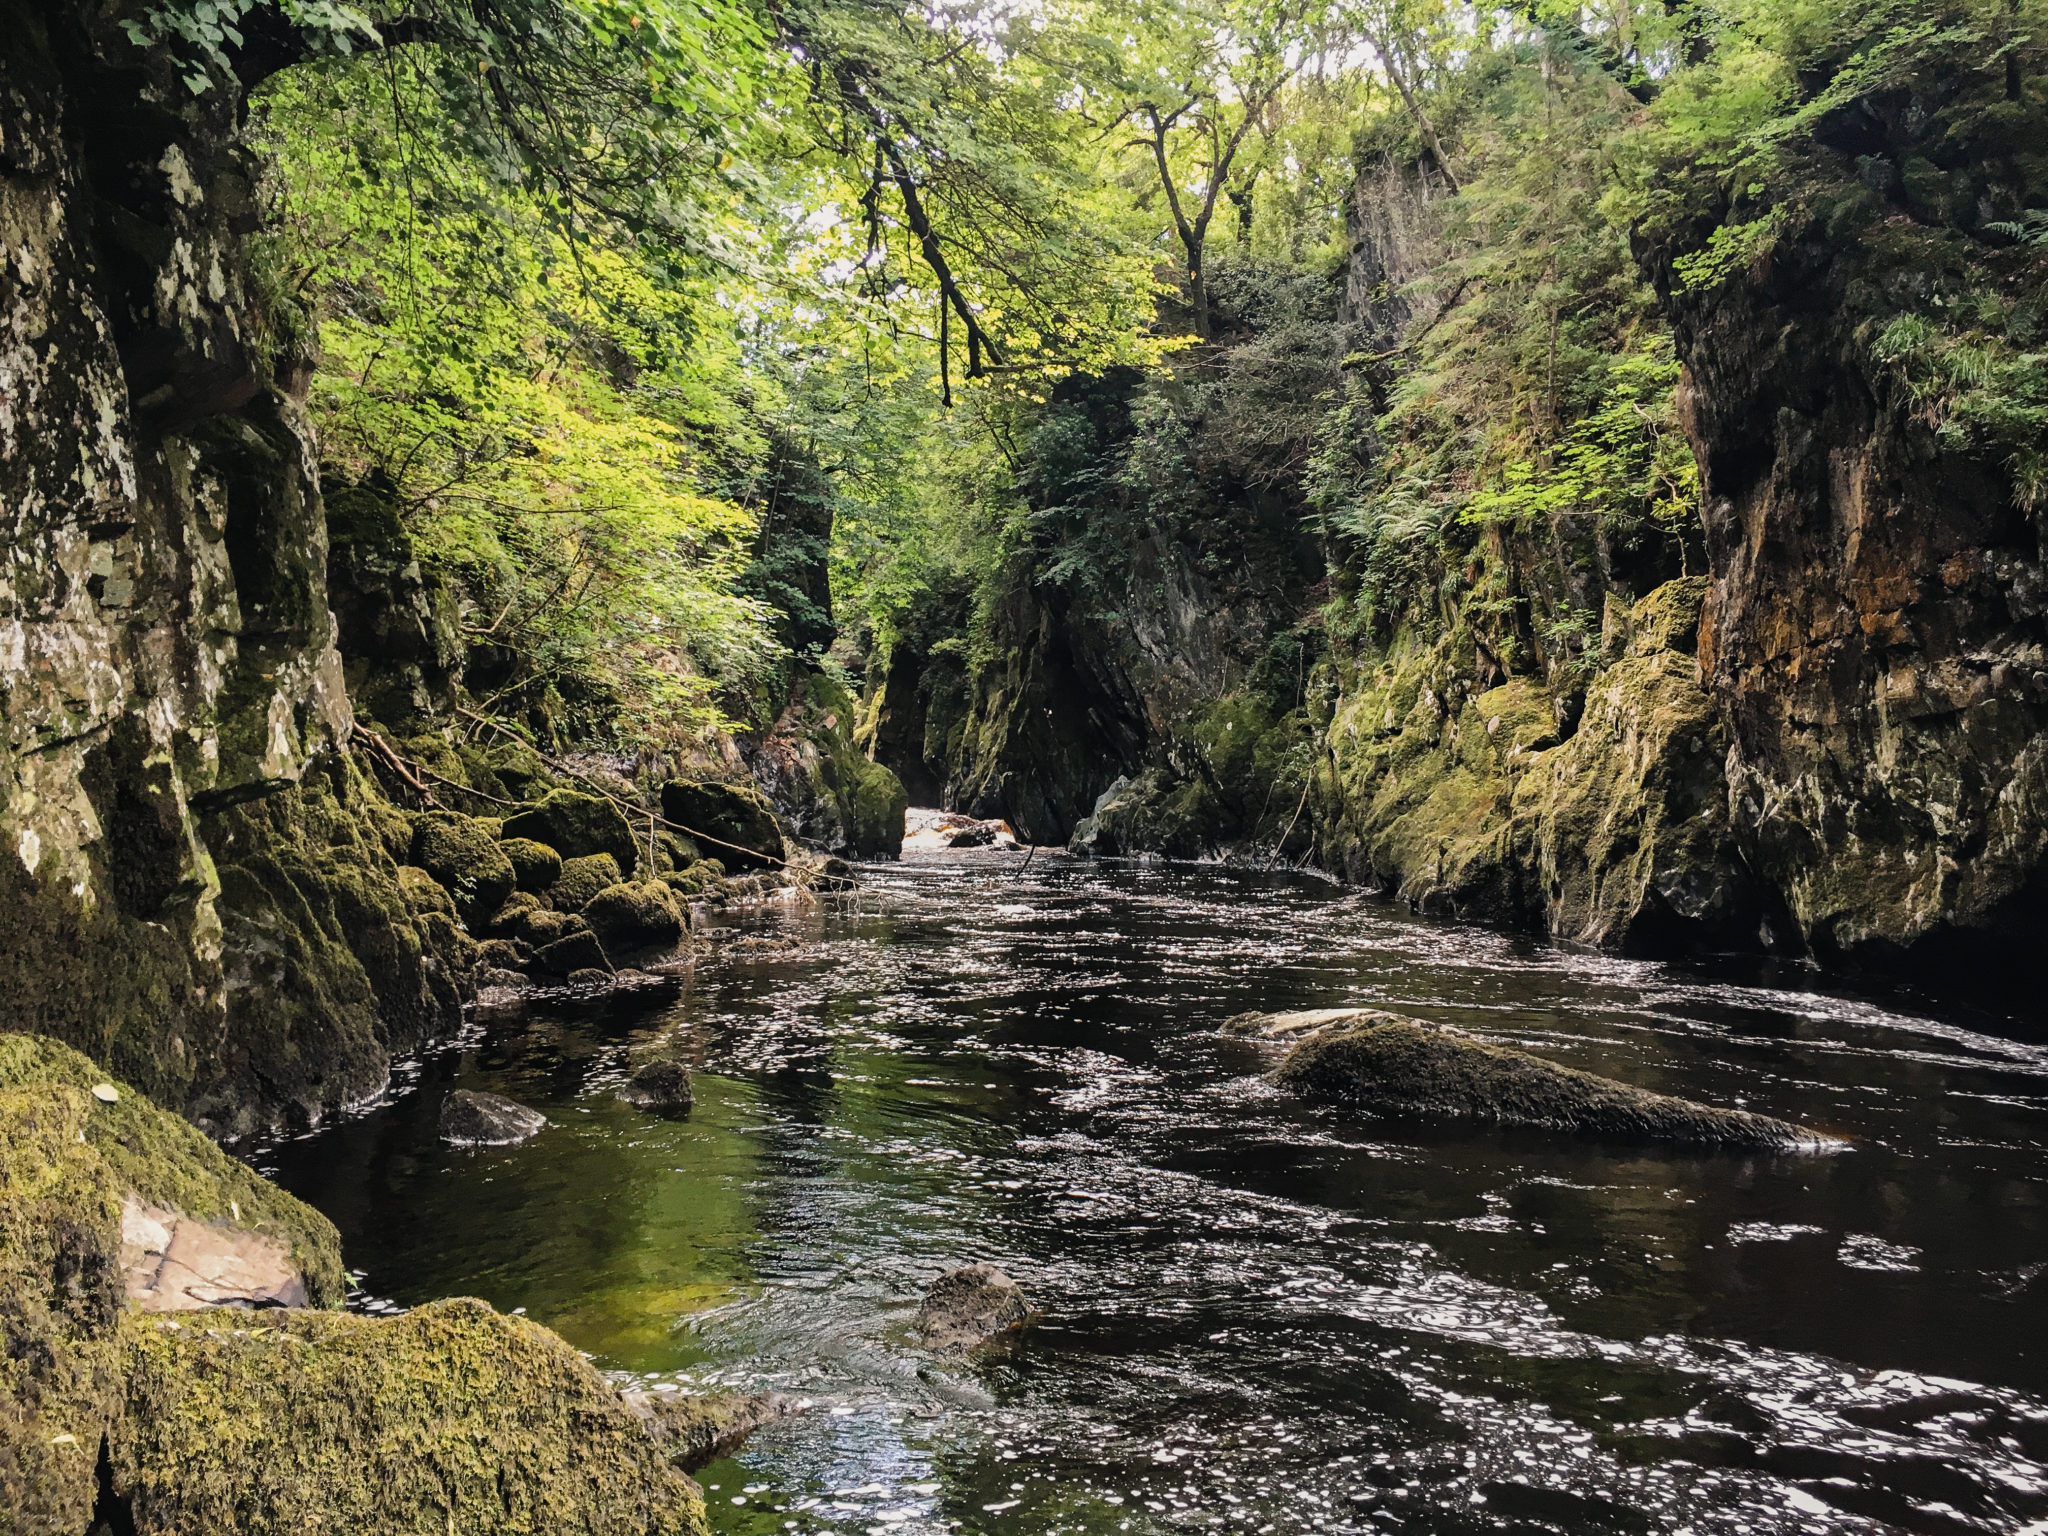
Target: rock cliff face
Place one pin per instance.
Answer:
(168, 649)
(1876, 631)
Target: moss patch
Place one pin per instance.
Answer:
(577, 826)
(582, 879)
(464, 855)
(535, 866)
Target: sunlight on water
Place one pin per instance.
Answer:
(1258, 1318)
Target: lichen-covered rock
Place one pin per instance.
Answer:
(835, 798)
(577, 826)
(506, 921)
(472, 1119)
(966, 1308)
(673, 851)
(581, 879)
(734, 823)
(634, 915)
(578, 951)
(1392, 1065)
(462, 855)
(535, 866)
(451, 1417)
(662, 1087)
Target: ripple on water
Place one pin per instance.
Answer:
(1258, 1318)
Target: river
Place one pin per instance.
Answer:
(1258, 1317)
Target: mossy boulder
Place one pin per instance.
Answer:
(506, 920)
(535, 866)
(661, 1087)
(577, 826)
(1395, 1066)
(463, 854)
(544, 926)
(580, 951)
(834, 797)
(581, 879)
(733, 822)
(673, 851)
(634, 915)
(453, 1417)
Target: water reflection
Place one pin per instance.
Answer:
(1260, 1318)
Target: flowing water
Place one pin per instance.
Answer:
(1258, 1317)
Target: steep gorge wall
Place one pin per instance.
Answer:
(1876, 630)
(177, 904)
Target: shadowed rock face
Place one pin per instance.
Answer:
(1397, 1066)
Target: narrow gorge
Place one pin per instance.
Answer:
(1450, 600)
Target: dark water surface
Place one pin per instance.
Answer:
(1259, 1317)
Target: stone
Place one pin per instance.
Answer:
(969, 1307)
(171, 1263)
(588, 978)
(501, 955)
(472, 1119)
(732, 822)
(536, 929)
(581, 879)
(833, 796)
(1395, 1066)
(463, 857)
(696, 1430)
(662, 1087)
(577, 826)
(494, 979)
(504, 923)
(535, 866)
(634, 915)
(572, 952)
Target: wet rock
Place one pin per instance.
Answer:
(634, 915)
(535, 866)
(572, 952)
(581, 879)
(1392, 1065)
(733, 822)
(591, 978)
(696, 1431)
(501, 955)
(472, 1119)
(493, 979)
(577, 826)
(537, 929)
(662, 1087)
(462, 856)
(969, 1307)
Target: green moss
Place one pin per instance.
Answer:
(464, 855)
(169, 1163)
(577, 826)
(582, 879)
(734, 819)
(535, 866)
(60, 1293)
(634, 915)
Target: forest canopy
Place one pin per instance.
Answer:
(592, 291)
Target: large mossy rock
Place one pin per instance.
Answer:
(535, 866)
(734, 823)
(1390, 1065)
(634, 915)
(581, 879)
(576, 826)
(453, 1417)
(450, 1418)
(462, 855)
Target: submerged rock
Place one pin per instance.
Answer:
(662, 1087)
(696, 1431)
(968, 1307)
(1400, 1066)
(472, 1119)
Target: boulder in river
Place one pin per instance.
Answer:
(1393, 1065)
(697, 1430)
(581, 879)
(535, 866)
(732, 822)
(634, 914)
(968, 1307)
(471, 1119)
(577, 826)
(576, 951)
(661, 1087)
